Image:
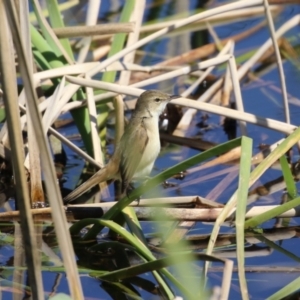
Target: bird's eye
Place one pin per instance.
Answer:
(157, 100)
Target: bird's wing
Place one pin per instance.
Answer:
(134, 145)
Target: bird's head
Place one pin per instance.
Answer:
(153, 101)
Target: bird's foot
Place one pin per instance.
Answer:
(167, 184)
(129, 190)
(138, 201)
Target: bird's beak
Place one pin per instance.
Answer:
(172, 97)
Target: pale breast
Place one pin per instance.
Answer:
(150, 153)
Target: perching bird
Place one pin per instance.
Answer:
(138, 148)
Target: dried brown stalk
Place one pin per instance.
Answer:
(79, 31)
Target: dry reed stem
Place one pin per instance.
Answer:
(247, 117)
(215, 20)
(91, 30)
(198, 53)
(91, 19)
(186, 119)
(8, 73)
(171, 214)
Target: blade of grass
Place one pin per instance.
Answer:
(49, 35)
(63, 6)
(157, 264)
(194, 281)
(289, 183)
(140, 248)
(57, 21)
(276, 247)
(257, 172)
(288, 177)
(277, 153)
(242, 196)
(287, 290)
(50, 59)
(255, 221)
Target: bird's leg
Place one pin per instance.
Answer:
(129, 189)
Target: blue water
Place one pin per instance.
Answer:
(263, 100)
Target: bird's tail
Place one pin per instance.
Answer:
(100, 176)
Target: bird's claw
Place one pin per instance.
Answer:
(129, 190)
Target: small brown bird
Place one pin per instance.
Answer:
(138, 148)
